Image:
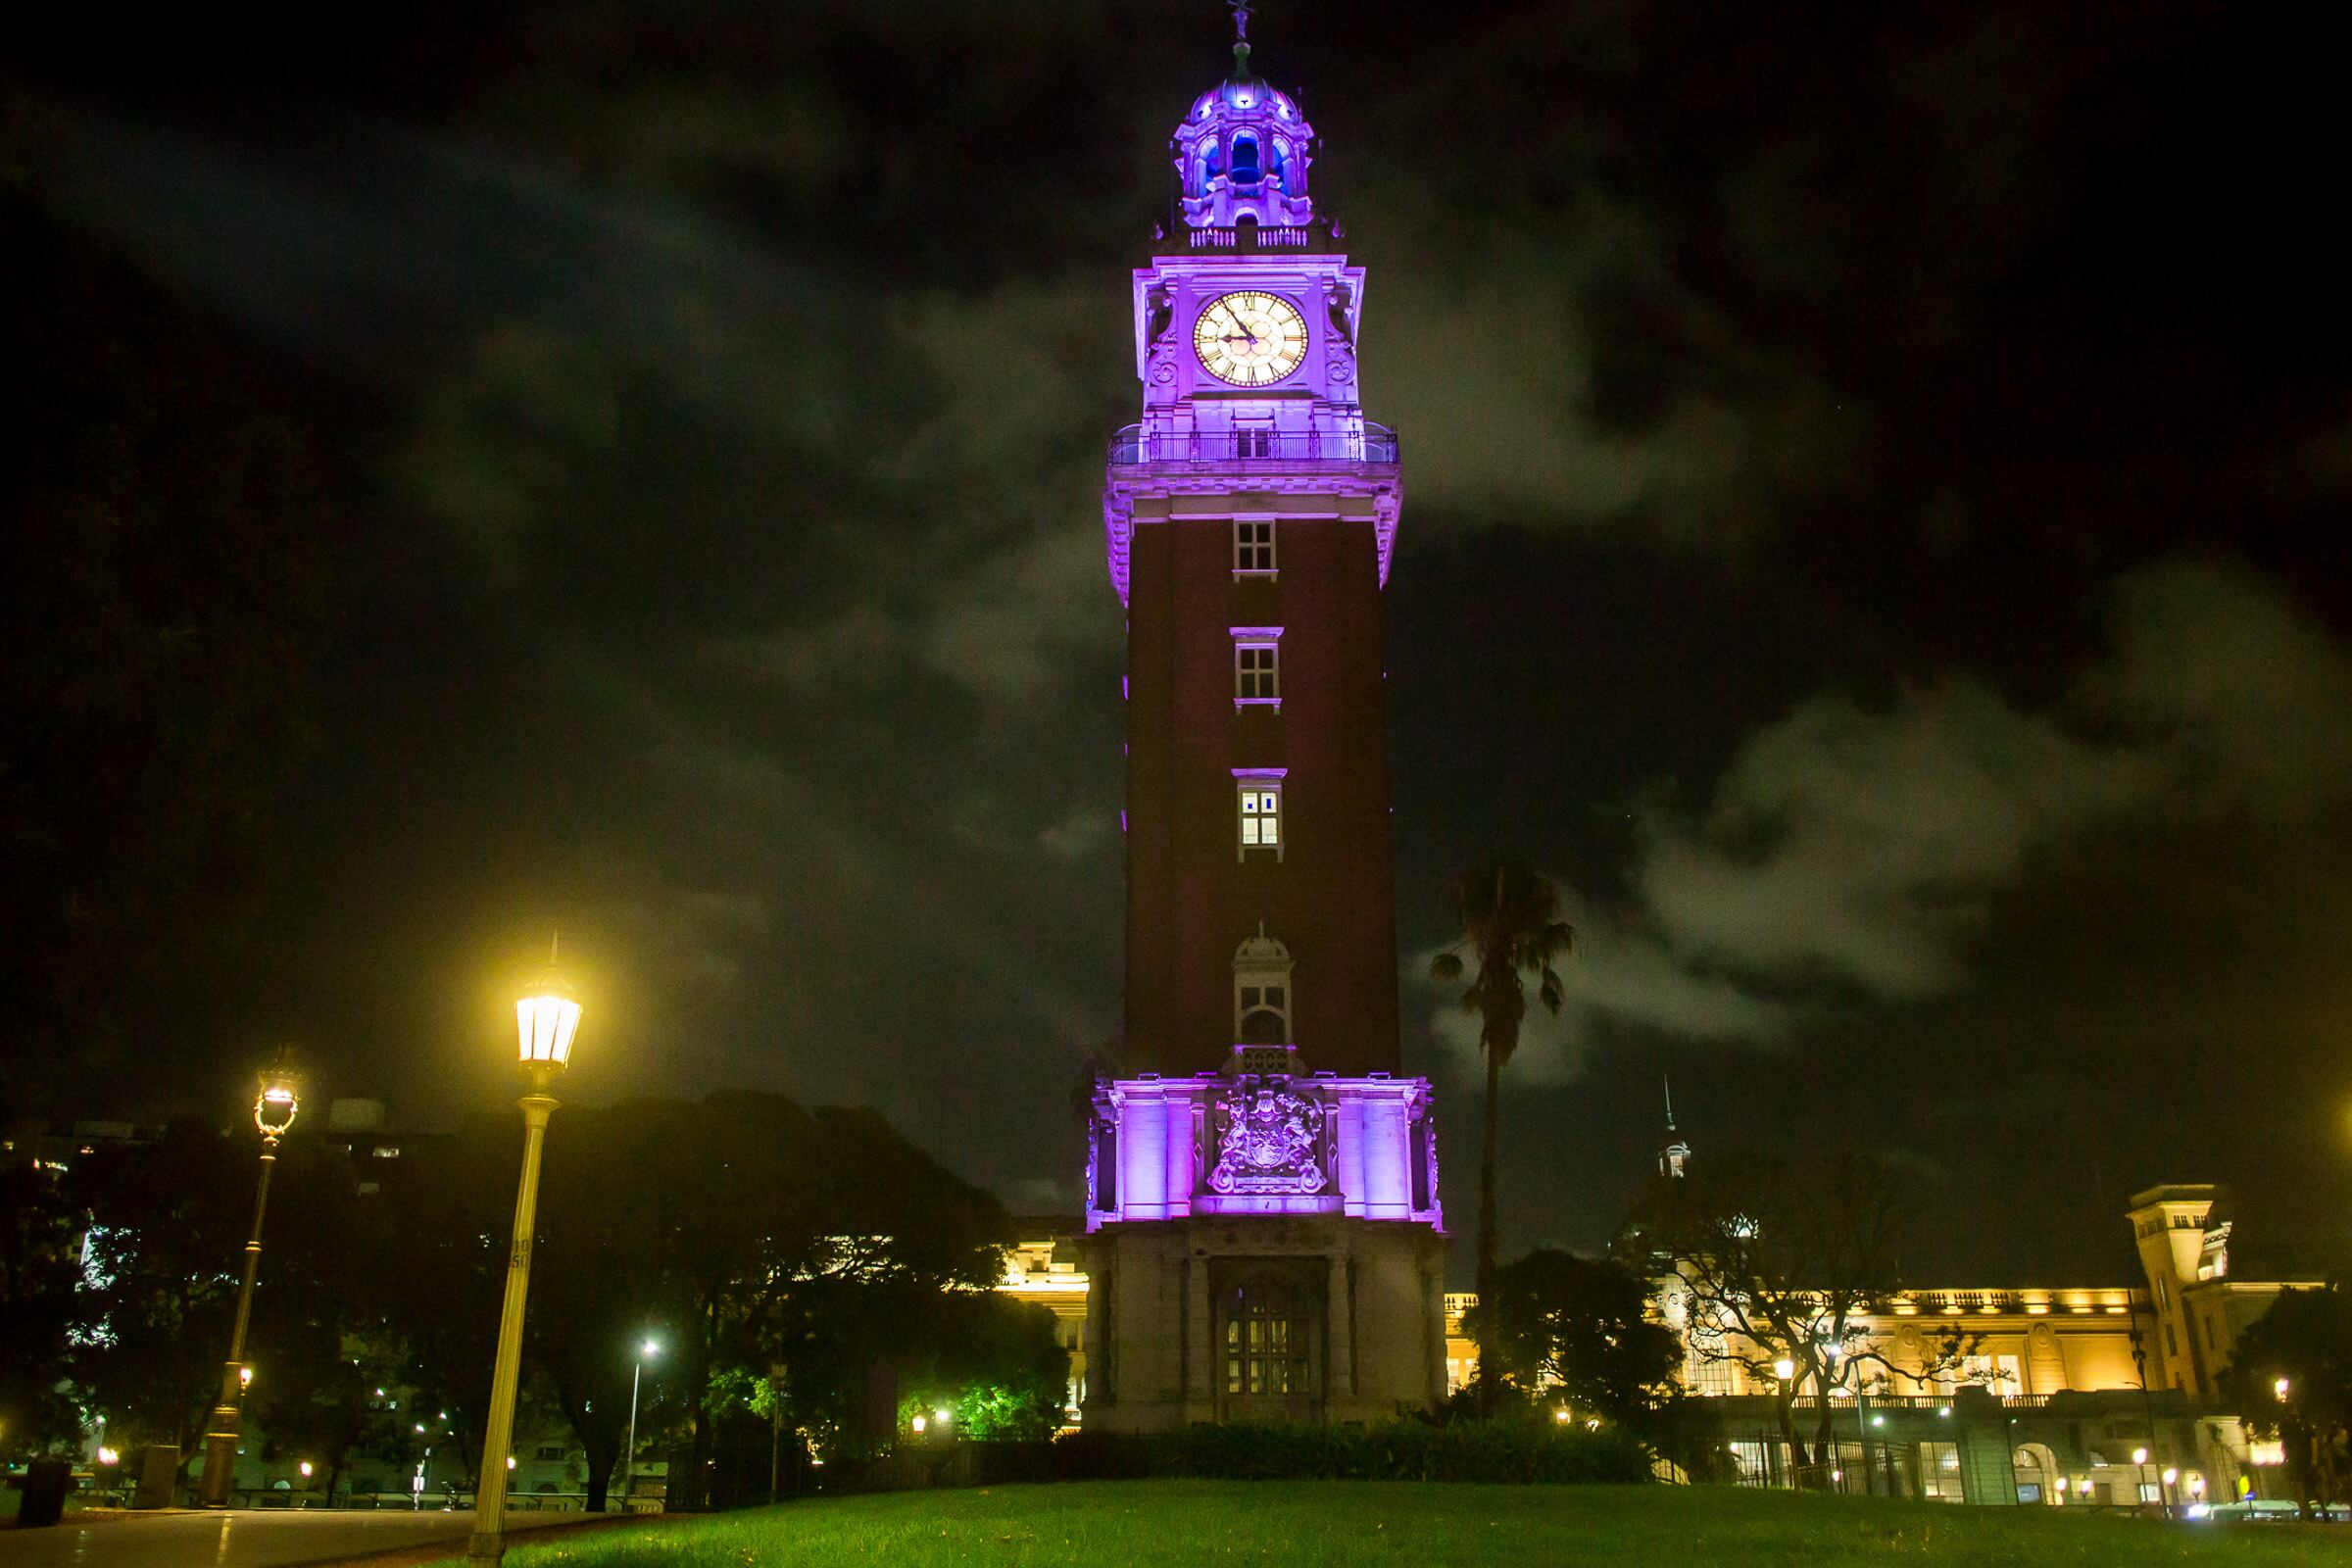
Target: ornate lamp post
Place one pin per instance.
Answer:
(546, 1021)
(273, 1113)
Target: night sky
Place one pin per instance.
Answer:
(1875, 490)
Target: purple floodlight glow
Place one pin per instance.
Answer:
(1263, 1144)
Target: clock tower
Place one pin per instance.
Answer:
(1264, 1234)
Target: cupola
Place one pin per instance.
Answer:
(1243, 150)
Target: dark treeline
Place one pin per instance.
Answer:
(790, 1261)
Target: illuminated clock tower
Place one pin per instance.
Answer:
(1264, 1234)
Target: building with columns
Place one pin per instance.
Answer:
(1262, 1236)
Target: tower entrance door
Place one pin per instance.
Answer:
(1269, 1344)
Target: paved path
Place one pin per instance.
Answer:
(243, 1538)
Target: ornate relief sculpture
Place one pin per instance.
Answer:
(1268, 1141)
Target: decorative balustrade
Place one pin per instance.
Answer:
(1255, 237)
(1372, 444)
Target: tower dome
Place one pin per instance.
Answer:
(1243, 150)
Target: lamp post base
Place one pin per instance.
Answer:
(217, 1487)
(486, 1546)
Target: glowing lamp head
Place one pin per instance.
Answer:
(650, 1347)
(2171, 1475)
(305, 1469)
(2061, 1484)
(1784, 1369)
(2281, 1387)
(942, 1417)
(2140, 1456)
(244, 1377)
(108, 1455)
(919, 1424)
(274, 1106)
(545, 1023)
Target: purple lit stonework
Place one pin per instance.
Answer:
(1254, 1142)
(1263, 1231)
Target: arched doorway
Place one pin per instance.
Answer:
(2036, 1470)
(1269, 1347)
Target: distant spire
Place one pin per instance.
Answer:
(1241, 36)
(1674, 1151)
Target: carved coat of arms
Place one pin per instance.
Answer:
(1268, 1142)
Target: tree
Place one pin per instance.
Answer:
(165, 1229)
(1509, 916)
(40, 1248)
(447, 1211)
(2305, 1341)
(1579, 1330)
(597, 1286)
(1773, 1268)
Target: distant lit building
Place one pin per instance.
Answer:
(2047, 1406)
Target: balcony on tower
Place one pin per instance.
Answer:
(1358, 443)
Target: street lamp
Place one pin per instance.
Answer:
(628, 1456)
(545, 1023)
(272, 1115)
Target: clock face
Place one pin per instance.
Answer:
(1251, 338)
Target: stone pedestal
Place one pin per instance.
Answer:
(1170, 1321)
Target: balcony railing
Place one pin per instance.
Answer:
(1257, 237)
(1372, 444)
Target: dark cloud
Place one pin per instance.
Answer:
(1869, 480)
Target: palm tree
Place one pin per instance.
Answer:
(1509, 913)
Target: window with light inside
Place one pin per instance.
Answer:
(1261, 817)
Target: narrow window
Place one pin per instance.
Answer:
(1260, 816)
(1261, 992)
(1254, 546)
(1245, 160)
(1258, 673)
(1254, 441)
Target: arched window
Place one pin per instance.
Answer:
(1245, 160)
(1261, 992)
(1267, 1329)
(1279, 170)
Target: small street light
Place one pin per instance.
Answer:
(545, 1023)
(273, 1110)
(628, 1454)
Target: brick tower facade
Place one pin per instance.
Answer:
(1263, 1209)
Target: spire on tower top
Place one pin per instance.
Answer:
(1674, 1150)
(1243, 150)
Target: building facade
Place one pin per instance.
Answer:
(1262, 1229)
(2073, 1397)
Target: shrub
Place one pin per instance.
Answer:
(1516, 1452)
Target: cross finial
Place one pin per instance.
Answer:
(1241, 21)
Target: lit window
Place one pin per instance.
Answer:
(1257, 673)
(1266, 1339)
(1261, 815)
(1254, 546)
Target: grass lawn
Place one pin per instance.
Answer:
(1306, 1524)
